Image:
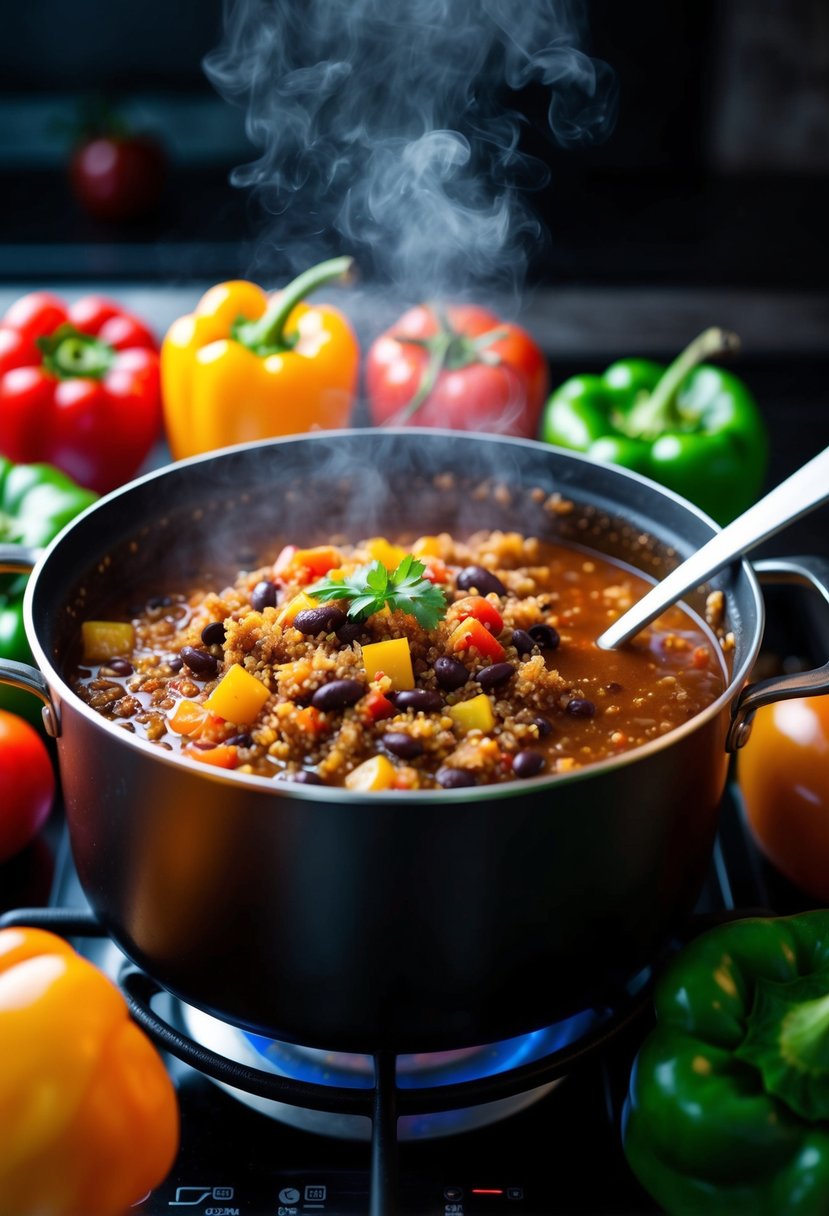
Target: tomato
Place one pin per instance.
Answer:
(467, 370)
(118, 177)
(27, 784)
(783, 774)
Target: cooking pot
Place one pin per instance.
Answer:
(407, 921)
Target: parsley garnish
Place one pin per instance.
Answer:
(372, 586)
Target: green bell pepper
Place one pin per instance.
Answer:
(36, 501)
(728, 1107)
(692, 427)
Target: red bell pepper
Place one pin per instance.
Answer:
(79, 388)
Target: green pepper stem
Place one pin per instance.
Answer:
(267, 334)
(70, 354)
(451, 350)
(658, 411)
(804, 1035)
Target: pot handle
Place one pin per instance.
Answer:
(21, 559)
(802, 571)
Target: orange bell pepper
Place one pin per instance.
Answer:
(88, 1111)
(244, 366)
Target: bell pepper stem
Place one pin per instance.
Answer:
(69, 354)
(267, 334)
(658, 411)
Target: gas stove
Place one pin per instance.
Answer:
(530, 1126)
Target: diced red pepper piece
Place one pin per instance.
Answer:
(377, 705)
(471, 632)
(482, 610)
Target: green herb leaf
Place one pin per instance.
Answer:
(371, 587)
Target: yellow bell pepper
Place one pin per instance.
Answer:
(474, 714)
(102, 640)
(392, 658)
(88, 1112)
(238, 697)
(374, 774)
(244, 366)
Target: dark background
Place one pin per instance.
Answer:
(717, 171)
(706, 205)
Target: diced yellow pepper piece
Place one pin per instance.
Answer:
(383, 551)
(374, 774)
(426, 546)
(238, 698)
(475, 714)
(104, 640)
(391, 658)
(298, 604)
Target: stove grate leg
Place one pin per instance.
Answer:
(384, 1174)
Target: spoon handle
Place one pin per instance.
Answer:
(796, 496)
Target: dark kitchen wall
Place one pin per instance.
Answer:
(716, 169)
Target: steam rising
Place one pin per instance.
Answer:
(385, 131)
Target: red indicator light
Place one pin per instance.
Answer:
(487, 1190)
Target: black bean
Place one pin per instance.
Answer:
(495, 675)
(483, 581)
(201, 662)
(264, 595)
(528, 763)
(402, 745)
(545, 636)
(454, 778)
(337, 694)
(119, 667)
(349, 632)
(305, 776)
(243, 740)
(450, 673)
(522, 641)
(175, 662)
(325, 619)
(544, 726)
(580, 707)
(213, 634)
(613, 687)
(418, 699)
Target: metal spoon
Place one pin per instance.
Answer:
(796, 496)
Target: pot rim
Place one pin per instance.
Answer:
(310, 793)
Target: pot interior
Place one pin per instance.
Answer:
(215, 515)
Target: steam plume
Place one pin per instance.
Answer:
(384, 128)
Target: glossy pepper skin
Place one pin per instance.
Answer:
(460, 367)
(692, 427)
(79, 388)
(36, 501)
(246, 366)
(728, 1107)
(89, 1114)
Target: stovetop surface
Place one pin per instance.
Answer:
(563, 1154)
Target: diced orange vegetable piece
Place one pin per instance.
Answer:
(307, 565)
(187, 717)
(222, 756)
(435, 569)
(392, 658)
(482, 609)
(374, 774)
(284, 559)
(471, 633)
(475, 714)
(311, 720)
(298, 604)
(385, 552)
(104, 640)
(239, 697)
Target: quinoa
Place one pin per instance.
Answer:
(534, 696)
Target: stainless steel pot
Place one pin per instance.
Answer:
(406, 921)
